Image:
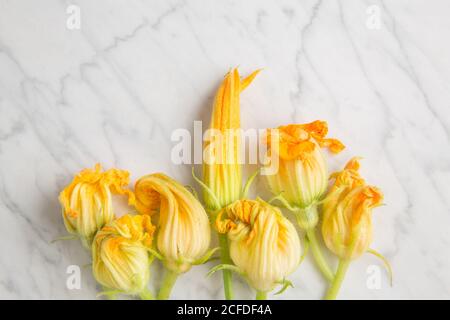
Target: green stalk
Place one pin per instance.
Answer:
(261, 295)
(170, 277)
(307, 219)
(336, 284)
(146, 295)
(227, 276)
(318, 256)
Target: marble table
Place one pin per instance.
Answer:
(109, 81)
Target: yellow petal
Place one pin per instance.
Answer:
(183, 226)
(347, 221)
(87, 201)
(264, 245)
(223, 174)
(120, 254)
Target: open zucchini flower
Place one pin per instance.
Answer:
(87, 200)
(347, 218)
(121, 254)
(183, 227)
(222, 172)
(302, 176)
(264, 245)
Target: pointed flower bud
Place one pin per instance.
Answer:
(183, 227)
(120, 254)
(264, 245)
(347, 210)
(222, 171)
(302, 176)
(87, 200)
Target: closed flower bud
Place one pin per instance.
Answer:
(222, 171)
(183, 227)
(302, 176)
(120, 254)
(347, 210)
(87, 200)
(264, 245)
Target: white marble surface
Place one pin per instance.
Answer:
(114, 90)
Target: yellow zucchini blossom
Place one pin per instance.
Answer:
(302, 176)
(183, 227)
(87, 200)
(120, 254)
(264, 245)
(222, 171)
(347, 210)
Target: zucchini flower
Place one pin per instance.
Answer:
(87, 200)
(347, 221)
(347, 210)
(121, 255)
(264, 245)
(222, 172)
(183, 228)
(302, 176)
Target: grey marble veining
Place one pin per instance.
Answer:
(114, 90)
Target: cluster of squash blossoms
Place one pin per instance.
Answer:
(256, 240)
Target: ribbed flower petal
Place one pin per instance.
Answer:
(120, 254)
(264, 245)
(302, 175)
(183, 226)
(347, 211)
(87, 200)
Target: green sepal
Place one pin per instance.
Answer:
(64, 238)
(284, 202)
(206, 257)
(229, 267)
(249, 183)
(286, 284)
(207, 189)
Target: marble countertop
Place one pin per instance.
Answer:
(113, 87)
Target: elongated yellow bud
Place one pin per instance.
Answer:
(183, 227)
(87, 200)
(347, 211)
(264, 245)
(120, 254)
(222, 166)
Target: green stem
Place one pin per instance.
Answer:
(227, 276)
(318, 256)
(261, 295)
(169, 280)
(146, 295)
(108, 293)
(336, 285)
